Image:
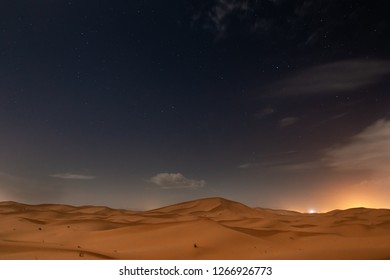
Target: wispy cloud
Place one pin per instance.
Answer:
(330, 119)
(216, 15)
(72, 176)
(265, 112)
(176, 181)
(299, 166)
(288, 121)
(262, 18)
(247, 165)
(271, 160)
(221, 12)
(331, 78)
(367, 151)
(284, 164)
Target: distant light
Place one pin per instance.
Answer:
(312, 211)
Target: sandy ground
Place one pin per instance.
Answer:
(212, 228)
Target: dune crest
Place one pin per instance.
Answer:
(210, 228)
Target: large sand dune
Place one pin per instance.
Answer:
(212, 228)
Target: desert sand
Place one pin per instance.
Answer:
(211, 228)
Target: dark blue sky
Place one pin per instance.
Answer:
(138, 104)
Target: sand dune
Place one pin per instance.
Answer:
(212, 228)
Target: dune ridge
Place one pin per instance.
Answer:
(210, 228)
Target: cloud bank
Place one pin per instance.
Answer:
(331, 78)
(176, 181)
(367, 151)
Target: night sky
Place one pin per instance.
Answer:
(140, 104)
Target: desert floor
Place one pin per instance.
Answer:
(212, 228)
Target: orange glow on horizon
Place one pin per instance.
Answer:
(365, 194)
